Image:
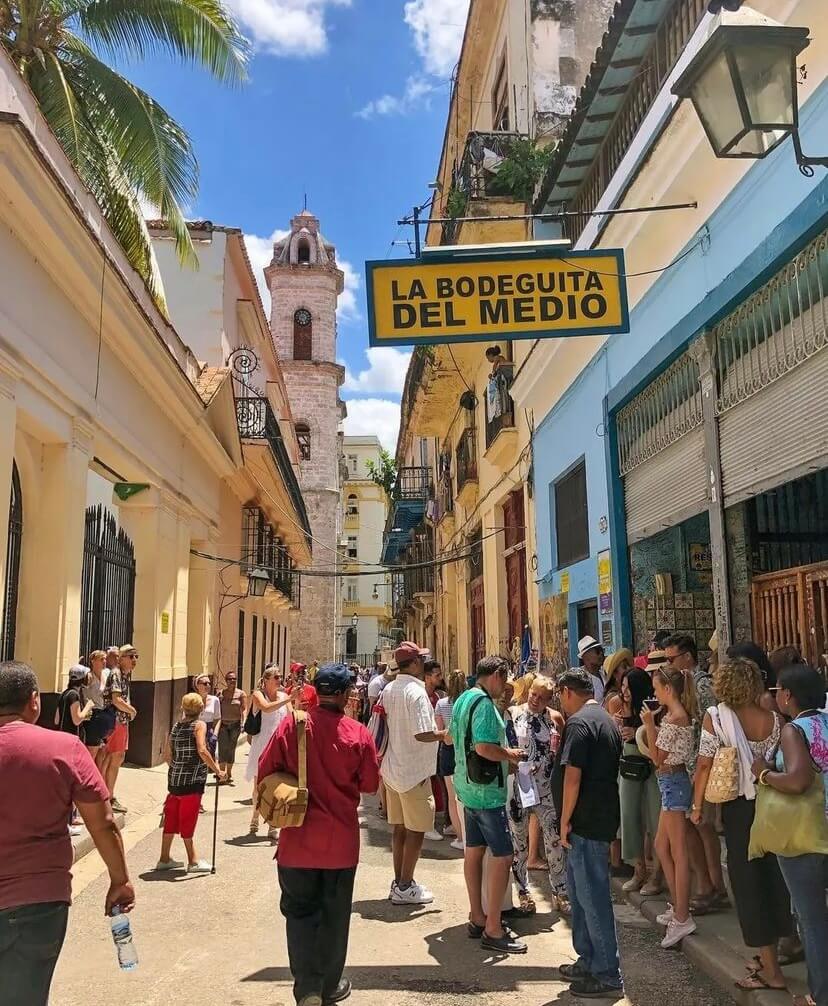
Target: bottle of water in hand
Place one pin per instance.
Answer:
(122, 935)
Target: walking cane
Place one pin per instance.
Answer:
(215, 827)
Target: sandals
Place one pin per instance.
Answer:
(562, 905)
(527, 904)
(755, 981)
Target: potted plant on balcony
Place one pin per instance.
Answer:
(384, 473)
(521, 169)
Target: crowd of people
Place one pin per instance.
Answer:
(625, 765)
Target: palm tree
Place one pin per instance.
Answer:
(124, 145)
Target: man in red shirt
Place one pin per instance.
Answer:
(318, 861)
(44, 772)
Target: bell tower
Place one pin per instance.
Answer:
(305, 283)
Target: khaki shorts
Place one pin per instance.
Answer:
(414, 809)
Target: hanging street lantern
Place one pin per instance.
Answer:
(257, 581)
(742, 83)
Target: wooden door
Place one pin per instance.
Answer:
(477, 604)
(516, 598)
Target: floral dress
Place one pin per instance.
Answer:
(537, 735)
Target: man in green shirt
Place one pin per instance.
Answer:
(481, 769)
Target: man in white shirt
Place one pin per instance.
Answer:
(377, 684)
(407, 767)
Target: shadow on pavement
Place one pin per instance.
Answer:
(169, 876)
(241, 841)
(432, 979)
(382, 910)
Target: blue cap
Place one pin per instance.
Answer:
(332, 679)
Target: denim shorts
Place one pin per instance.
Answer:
(489, 828)
(676, 791)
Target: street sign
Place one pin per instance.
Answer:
(489, 296)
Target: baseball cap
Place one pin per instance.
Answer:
(77, 674)
(332, 679)
(408, 651)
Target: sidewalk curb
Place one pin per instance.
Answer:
(84, 844)
(710, 954)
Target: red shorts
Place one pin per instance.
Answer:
(119, 739)
(181, 814)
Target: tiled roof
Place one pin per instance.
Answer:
(209, 381)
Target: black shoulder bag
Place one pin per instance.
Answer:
(478, 769)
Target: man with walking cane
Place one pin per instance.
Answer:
(317, 860)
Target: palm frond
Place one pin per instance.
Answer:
(196, 31)
(155, 152)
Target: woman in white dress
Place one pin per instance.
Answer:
(269, 700)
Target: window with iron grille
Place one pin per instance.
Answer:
(352, 547)
(571, 516)
(303, 437)
(351, 590)
(254, 645)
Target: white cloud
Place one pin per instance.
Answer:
(385, 373)
(416, 89)
(438, 27)
(286, 27)
(377, 416)
(260, 252)
(347, 309)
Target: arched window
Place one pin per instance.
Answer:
(302, 335)
(9, 625)
(303, 252)
(304, 437)
(352, 509)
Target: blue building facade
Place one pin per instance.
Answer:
(764, 221)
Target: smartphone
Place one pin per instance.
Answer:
(652, 704)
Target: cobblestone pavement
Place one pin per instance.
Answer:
(221, 938)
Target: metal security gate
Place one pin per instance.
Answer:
(661, 452)
(108, 583)
(772, 371)
(15, 540)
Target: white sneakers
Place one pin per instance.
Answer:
(414, 894)
(458, 844)
(434, 836)
(170, 864)
(676, 931)
(666, 917)
(202, 866)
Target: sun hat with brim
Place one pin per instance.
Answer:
(614, 661)
(656, 659)
(587, 643)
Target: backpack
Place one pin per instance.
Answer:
(378, 728)
(282, 798)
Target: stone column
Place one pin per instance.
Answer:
(9, 377)
(58, 567)
(703, 350)
(160, 531)
(201, 656)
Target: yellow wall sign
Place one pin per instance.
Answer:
(488, 296)
(565, 582)
(165, 622)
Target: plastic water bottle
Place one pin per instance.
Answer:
(124, 944)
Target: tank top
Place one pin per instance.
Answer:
(815, 730)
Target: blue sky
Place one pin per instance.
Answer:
(346, 101)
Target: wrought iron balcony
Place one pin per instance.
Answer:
(256, 421)
(263, 549)
(500, 409)
(466, 458)
(413, 484)
(476, 175)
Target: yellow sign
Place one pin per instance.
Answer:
(565, 582)
(604, 573)
(165, 622)
(489, 296)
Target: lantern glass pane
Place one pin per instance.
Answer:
(714, 96)
(767, 77)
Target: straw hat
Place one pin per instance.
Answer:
(614, 660)
(641, 741)
(655, 660)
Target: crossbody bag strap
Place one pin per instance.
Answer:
(302, 741)
(469, 745)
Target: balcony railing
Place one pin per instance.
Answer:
(669, 42)
(467, 458)
(476, 175)
(263, 549)
(500, 409)
(256, 421)
(413, 484)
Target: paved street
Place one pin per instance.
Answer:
(221, 938)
